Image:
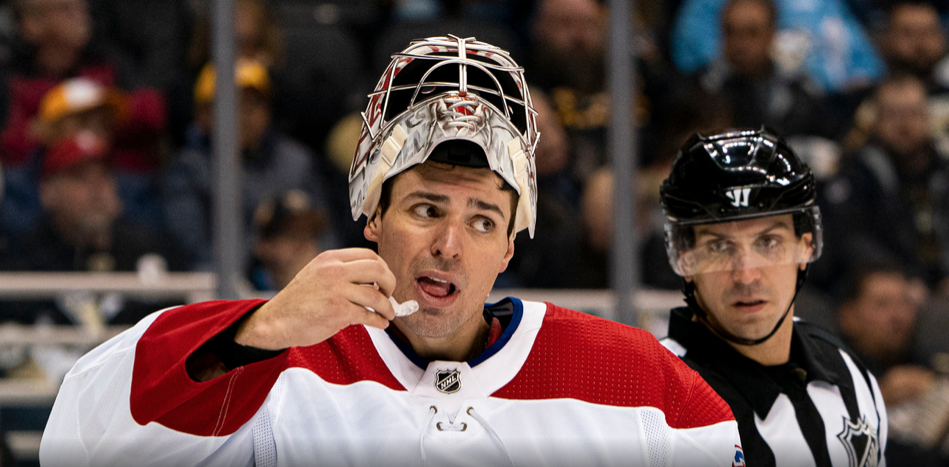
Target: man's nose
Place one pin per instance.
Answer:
(746, 275)
(745, 268)
(449, 240)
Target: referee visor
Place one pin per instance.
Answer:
(750, 243)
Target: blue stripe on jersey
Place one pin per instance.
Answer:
(517, 313)
(506, 335)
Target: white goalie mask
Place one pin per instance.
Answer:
(442, 89)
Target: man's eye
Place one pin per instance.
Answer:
(425, 210)
(717, 247)
(770, 242)
(483, 224)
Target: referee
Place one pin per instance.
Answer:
(742, 227)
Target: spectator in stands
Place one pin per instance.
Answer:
(570, 43)
(314, 66)
(914, 42)
(568, 53)
(82, 227)
(256, 32)
(682, 118)
(878, 320)
(258, 37)
(549, 261)
(78, 104)
(57, 45)
(891, 199)
(81, 230)
(272, 163)
(288, 237)
(822, 37)
(552, 152)
(74, 106)
(759, 90)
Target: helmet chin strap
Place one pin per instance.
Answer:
(688, 288)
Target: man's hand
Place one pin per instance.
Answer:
(331, 293)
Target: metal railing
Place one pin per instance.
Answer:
(653, 305)
(189, 287)
(652, 310)
(192, 287)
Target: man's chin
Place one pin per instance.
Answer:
(427, 322)
(749, 327)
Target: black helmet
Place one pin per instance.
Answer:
(730, 176)
(735, 174)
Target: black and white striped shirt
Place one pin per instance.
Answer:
(822, 408)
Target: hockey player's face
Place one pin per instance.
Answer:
(444, 236)
(749, 298)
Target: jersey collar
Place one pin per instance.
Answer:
(754, 381)
(507, 312)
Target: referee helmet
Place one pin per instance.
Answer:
(731, 176)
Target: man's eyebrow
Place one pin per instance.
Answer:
(433, 197)
(775, 225)
(709, 233)
(443, 199)
(485, 206)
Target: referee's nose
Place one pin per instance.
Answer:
(745, 273)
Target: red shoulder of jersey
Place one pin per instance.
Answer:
(583, 357)
(163, 392)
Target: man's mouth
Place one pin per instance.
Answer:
(750, 305)
(435, 287)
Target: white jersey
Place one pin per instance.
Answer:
(820, 409)
(557, 387)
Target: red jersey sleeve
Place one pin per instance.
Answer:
(163, 392)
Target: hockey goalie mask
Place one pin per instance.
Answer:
(448, 89)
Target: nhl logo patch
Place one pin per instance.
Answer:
(447, 381)
(860, 441)
(739, 457)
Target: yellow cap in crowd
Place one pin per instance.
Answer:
(247, 74)
(74, 96)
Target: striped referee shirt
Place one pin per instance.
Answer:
(822, 408)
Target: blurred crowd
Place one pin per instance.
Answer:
(106, 116)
